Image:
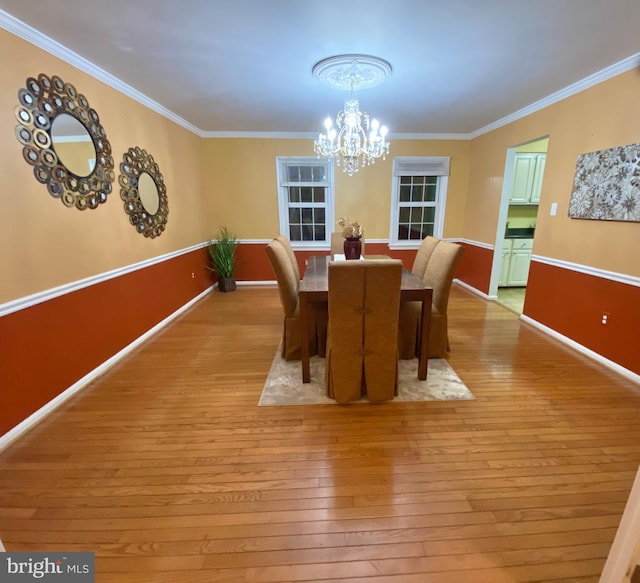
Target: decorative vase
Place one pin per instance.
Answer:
(226, 284)
(352, 247)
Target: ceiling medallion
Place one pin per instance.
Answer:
(354, 142)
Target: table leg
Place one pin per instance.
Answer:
(304, 341)
(425, 324)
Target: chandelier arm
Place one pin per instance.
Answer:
(352, 144)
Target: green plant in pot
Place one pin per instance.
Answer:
(222, 253)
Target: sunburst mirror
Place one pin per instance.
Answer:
(63, 140)
(143, 192)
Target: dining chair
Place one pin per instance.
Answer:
(438, 275)
(423, 255)
(362, 352)
(337, 244)
(292, 325)
(292, 256)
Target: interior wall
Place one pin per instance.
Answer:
(581, 270)
(603, 116)
(244, 195)
(48, 347)
(43, 244)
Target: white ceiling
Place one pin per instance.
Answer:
(245, 65)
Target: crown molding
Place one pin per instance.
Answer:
(263, 135)
(313, 135)
(53, 47)
(35, 37)
(429, 136)
(603, 75)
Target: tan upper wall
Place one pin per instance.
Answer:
(43, 244)
(243, 193)
(601, 117)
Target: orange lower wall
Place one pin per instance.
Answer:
(572, 304)
(474, 268)
(48, 347)
(253, 264)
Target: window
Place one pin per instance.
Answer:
(305, 199)
(418, 199)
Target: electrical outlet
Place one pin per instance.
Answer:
(193, 275)
(605, 318)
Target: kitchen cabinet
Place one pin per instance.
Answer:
(504, 265)
(516, 258)
(527, 178)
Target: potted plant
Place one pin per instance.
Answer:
(222, 253)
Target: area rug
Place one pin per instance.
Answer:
(284, 384)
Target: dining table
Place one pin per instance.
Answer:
(314, 287)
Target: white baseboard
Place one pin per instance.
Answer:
(474, 290)
(583, 349)
(249, 283)
(49, 407)
(564, 339)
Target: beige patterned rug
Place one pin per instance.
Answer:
(284, 384)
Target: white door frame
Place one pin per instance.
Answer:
(509, 168)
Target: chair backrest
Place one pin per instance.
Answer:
(440, 271)
(292, 256)
(423, 255)
(364, 303)
(285, 276)
(337, 243)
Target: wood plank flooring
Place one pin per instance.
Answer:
(166, 468)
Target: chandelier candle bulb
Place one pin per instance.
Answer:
(351, 143)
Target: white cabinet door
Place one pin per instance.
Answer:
(527, 178)
(519, 267)
(523, 171)
(536, 187)
(517, 261)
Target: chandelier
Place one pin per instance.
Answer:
(354, 141)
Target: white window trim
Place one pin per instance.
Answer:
(418, 166)
(283, 201)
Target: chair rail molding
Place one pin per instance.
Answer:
(49, 294)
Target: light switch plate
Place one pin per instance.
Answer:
(554, 209)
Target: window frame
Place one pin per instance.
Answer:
(437, 166)
(282, 163)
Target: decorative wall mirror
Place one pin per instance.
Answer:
(144, 193)
(63, 140)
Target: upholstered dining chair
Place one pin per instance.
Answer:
(423, 255)
(362, 353)
(337, 244)
(292, 326)
(438, 275)
(292, 256)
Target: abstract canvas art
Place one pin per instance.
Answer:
(606, 185)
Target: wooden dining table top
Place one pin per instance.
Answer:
(316, 279)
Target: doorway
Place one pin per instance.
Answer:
(524, 171)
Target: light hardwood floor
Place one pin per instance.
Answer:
(166, 468)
